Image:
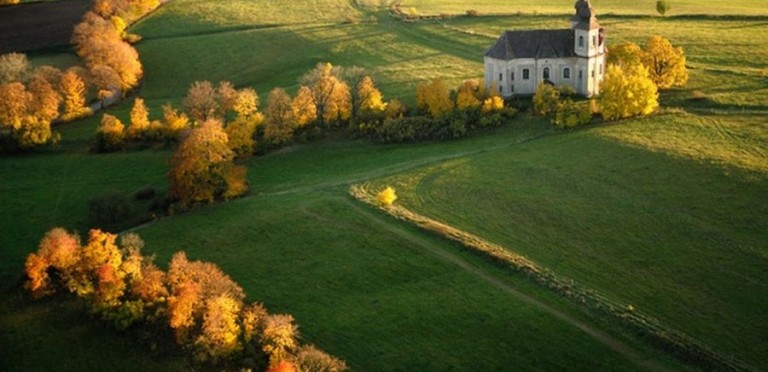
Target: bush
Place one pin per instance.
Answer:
(662, 6)
(472, 13)
(570, 114)
(145, 193)
(109, 209)
(386, 197)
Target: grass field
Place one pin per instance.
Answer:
(643, 7)
(666, 213)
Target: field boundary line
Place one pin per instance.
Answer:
(677, 343)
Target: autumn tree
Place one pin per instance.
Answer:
(49, 73)
(14, 67)
(14, 102)
(625, 54)
(201, 103)
(220, 334)
(492, 104)
(279, 337)
(106, 79)
(369, 97)
(434, 98)
(175, 121)
(303, 107)
(202, 168)
(627, 92)
(279, 122)
(666, 63)
(309, 358)
(226, 94)
(139, 120)
(110, 134)
(73, 89)
(387, 196)
(546, 99)
(331, 95)
(241, 133)
(469, 95)
(246, 102)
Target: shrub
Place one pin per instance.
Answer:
(546, 99)
(570, 114)
(109, 209)
(472, 13)
(110, 134)
(14, 67)
(387, 196)
(145, 193)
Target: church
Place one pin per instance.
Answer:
(575, 57)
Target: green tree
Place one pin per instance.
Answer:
(662, 6)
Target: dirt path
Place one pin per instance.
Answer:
(438, 251)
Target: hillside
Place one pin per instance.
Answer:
(665, 213)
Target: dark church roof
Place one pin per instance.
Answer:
(533, 44)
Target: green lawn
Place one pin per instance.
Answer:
(666, 213)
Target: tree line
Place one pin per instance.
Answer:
(195, 302)
(31, 99)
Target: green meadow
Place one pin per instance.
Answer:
(666, 213)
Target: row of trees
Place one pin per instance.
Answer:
(199, 304)
(32, 99)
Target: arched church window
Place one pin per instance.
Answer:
(526, 74)
(581, 41)
(546, 73)
(566, 73)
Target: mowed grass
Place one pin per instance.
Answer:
(645, 7)
(299, 218)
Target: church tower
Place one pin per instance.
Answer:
(589, 45)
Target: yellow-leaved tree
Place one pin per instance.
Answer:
(73, 89)
(279, 122)
(220, 334)
(139, 120)
(627, 92)
(202, 168)
(279, 337)
(110, 134)
(387, 196)
(625, 54)
(666, 63)
(176, 122)
(331, 95)
(469, 95)
(303, 107)
(434, 98)
(370, 99)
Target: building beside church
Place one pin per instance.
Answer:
(575, 57)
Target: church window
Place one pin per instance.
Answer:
(601, 68)
(546, 73)
(512, 75)
(526, 74)
(581, 41)
(566, 73)
(501, 77)
(592, 72)
(594, 41)
(581, 74)
(501, 89)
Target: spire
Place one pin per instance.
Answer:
(585, 17)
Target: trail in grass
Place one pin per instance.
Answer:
(438, 251)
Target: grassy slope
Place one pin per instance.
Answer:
(646, 7)
(181, 47)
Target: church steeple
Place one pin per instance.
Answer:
(585, 18)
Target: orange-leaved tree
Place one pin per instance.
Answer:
(202, 168)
